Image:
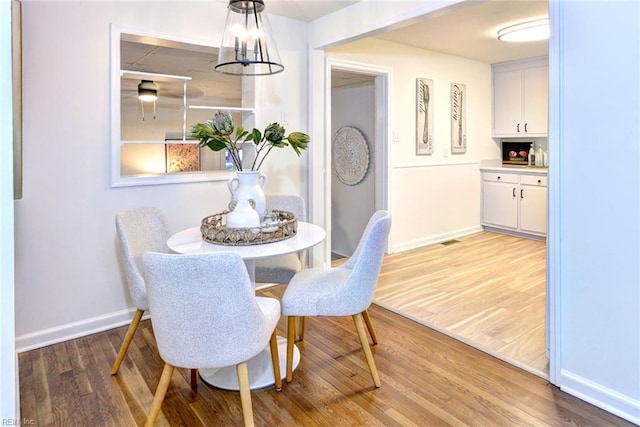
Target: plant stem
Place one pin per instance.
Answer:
(259, 149)
(263, 157)
(235, 158)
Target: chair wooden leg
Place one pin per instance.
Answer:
(372, 332)
(300, 328)
(245, 393)
(158, 398)
(275, 360)
(194, 378)
(291, 333)
(364, 341)
(127, 340)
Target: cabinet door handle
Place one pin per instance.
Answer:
(518, 127)
(499, 177)
(525, 127)
(522, 193)
(514, 192)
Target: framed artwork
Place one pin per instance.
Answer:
(458, 118)
(16, 74)
(424, 117)
(182, 157)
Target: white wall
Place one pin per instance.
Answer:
(65, 244)
(594, 201)
(353, 205)
(599, 229)
(436, 197)
(8, 367)
(68, 278)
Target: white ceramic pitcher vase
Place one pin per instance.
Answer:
(243, 215)
(247, 185)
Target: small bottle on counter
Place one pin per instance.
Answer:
(539, 160)
(545, 159)
(532, 155)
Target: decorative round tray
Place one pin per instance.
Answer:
(214, 230)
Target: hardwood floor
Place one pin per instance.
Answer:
(428, 379)
(486, 289)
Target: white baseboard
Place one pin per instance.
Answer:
(74, 330)
(611, 401)
(515, 233)
(437, 238)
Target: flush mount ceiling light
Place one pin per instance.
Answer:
(526, 31)
(148, 92)
(248, 47)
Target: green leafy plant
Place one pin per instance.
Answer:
(220, 134)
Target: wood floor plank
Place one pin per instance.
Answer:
(428, 379)
(488, 289)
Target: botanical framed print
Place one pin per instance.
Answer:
(458, 118)
(424, 116)
(182, 157)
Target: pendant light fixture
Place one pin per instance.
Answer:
(148, 92)
(248, 47)
(526, 31)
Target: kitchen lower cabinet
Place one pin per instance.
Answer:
(515, 202)
(533, 204)
(499, 201)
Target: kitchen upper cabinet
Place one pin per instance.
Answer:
(515, 202)
(520, 98)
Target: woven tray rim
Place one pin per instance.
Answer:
(214, 230)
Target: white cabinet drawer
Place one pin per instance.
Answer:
(533, 180)
(500, 177)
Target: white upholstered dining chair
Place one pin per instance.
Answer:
(347, 290)
(139, 230)
(206, 315)
(281, 269)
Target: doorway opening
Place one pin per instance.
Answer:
(358, 150)
(352, 103)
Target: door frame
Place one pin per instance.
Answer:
(319, 193)
(553, 295)
(381, 138)
(9, 379)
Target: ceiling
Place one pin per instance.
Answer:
(205, 86)
(467, 30)
(305, 10)
(470, 32)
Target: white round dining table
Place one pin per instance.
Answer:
(190, 241)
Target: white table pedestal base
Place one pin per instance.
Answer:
(260, 370)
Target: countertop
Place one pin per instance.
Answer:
(523, 170)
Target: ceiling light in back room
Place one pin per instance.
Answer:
(526, 31)
(147, 92)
